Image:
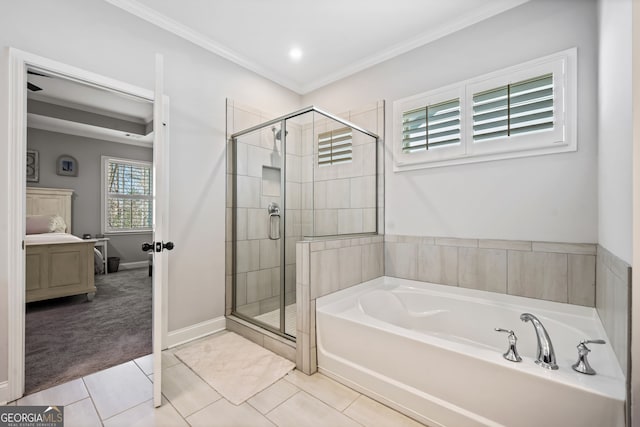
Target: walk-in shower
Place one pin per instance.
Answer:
(307, 175)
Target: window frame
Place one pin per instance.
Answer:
(561, 139)
(105, 196)
(424, 100)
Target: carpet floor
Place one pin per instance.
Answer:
(68, 338)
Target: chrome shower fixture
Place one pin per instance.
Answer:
(277, 133)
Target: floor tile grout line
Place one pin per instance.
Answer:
(291, 397)
(175, 409)
(321, 402)
(140, 367)
(142, 370)
(281, 403)
(58, 385)
(95, 408)
(351, 404)
(197, 375)
(320, 375)
(201, 409)
(349, 416)
(125, 410)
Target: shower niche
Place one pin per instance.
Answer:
(307, 175)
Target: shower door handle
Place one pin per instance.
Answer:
(274, 221)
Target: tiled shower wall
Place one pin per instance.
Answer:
(342, 197)
(325, 267)
(613, 284)
(358, 215)
(562, 272)
(258, 263)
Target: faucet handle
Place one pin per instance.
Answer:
(582, 365)
(512, 353)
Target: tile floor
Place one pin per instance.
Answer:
(122, 396)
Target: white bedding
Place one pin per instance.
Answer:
(98, 262)
(50, 238)
(55, 238)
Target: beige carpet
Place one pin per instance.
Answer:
(234, 366)
(68, 338)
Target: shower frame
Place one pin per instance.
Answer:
(283, 176)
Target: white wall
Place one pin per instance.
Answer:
(4, 217)
(96, 36)
(548, 198)
(635, 303)
(615, 128)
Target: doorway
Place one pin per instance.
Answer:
(20, 64)
(94, 146)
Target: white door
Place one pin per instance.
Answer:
(18, 63)
(160, 210)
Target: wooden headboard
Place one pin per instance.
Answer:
(50, 201)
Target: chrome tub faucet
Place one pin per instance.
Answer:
(546, 357)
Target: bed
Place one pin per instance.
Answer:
(58, 263)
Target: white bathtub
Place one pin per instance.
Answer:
(431, 352)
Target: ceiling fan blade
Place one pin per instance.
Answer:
(36, 74)
(33, 88)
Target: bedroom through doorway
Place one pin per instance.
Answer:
(89, 207)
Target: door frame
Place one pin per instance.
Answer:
(19, 61)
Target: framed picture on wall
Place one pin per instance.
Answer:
(33, 166)
(67, 166)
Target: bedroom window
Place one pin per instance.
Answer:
(128, 196)
(525, 110)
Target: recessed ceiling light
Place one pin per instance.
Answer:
(295, 54)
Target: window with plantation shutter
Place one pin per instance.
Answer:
(335, 147)
(431, 126)
(517, 108)
(128, 196)
(526, 110)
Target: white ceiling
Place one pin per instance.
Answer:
(82, 96)
(337, 37)
(66, 92)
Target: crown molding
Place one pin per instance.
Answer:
(427, 37)
(154, 17)
(199, 39)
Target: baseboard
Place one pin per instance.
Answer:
(4, 392)
(132, 265)
(199, 330)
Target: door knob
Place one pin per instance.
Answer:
(146, 247)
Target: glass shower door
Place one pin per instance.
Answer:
(258, 227)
